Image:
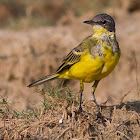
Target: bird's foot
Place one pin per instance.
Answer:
(79, 110)
(99, 115)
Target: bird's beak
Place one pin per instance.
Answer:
(89, 22)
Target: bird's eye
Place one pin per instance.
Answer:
(104, 22)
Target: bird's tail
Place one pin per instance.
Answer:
(43, 80)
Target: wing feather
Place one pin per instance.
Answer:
(75, 55)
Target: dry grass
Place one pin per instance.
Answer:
(119, 122)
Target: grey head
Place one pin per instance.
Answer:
(103, 20)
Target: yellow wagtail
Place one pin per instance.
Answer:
(91, 60)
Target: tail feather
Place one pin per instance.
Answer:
(43, 80)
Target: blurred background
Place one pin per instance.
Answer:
(35, 36)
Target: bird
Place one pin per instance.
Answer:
(93, 59)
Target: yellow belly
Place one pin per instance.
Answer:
(88, 69)
(91, 68)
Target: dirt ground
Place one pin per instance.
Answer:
(119, 122)
(29, 54)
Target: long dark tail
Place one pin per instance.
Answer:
(43, 80)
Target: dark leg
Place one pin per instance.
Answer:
(99, 115)
(93, 91)
(81, 92)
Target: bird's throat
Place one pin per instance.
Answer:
(100, 32)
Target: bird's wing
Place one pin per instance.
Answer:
(75, 55)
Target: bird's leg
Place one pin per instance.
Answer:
(93, 91)
(99, 115)
(81, 92)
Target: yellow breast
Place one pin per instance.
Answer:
(110, 60)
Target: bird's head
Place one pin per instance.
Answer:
(102, 22)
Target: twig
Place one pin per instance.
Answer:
(124, 96)
(63, 133)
